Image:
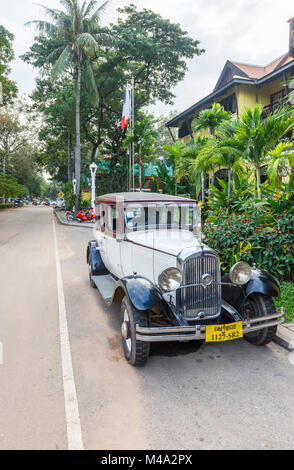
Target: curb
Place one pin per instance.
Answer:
(74, 224)
(285, 336)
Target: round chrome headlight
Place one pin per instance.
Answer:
(240, 273)
(170, 279)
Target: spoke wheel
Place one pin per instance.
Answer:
(136, 352)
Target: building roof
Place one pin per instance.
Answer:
(141, 197)
(235, 73)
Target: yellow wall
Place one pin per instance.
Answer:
(246, 97)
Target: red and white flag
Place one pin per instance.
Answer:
(126, 110)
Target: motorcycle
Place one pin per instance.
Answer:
(82, 216)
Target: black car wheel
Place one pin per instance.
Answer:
(136, 352)
(258, 305)
(90, 269)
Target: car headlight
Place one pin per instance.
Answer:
(240, 273)
(170, 279)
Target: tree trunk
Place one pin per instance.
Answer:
(78, 137)
(229, 188)
(203, 188)
(140, 173)
(258, 182)
(69, 165)
(94, 152)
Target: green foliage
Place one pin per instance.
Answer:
(210, 119)
(142, 45)
(10, 187)
(242, 194)
(257, 236)
(117, 181)
(69, 195)
(166, 182)
(9, 89)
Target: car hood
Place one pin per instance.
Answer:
(167, 241)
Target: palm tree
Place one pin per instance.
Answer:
(258, 136)
(144, 138)
(281, 160)
(226, 151)
(77, 29)
(210, 119)
(186, 164)
(175, 153)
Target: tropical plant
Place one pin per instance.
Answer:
(258, 135)
(225, 151)
(143, 136)
(210, 120)
(78, 33)
(165, 181)
(175, 153)
(255, 236)
(188, 165)
(280, 163)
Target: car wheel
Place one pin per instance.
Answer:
(90, 269)
(69, 218)
(258, 305)
(136, 352)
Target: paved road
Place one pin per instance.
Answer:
(188, 396)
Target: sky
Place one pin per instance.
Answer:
(251, 31)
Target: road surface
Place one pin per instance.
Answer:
(188, 396)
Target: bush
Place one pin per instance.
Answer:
(6, 206)
(257, 236)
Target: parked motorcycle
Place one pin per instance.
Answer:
(82, 216)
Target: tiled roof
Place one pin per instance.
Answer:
(255, 72)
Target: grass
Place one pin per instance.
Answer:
(287, 301)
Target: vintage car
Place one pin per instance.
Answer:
(148, 254)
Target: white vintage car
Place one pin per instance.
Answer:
(148, 254)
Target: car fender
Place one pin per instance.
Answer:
(97, 263)
(261, 282)
(141, 292)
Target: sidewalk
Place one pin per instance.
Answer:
(61, 217)
(285, 333)
(285, 336)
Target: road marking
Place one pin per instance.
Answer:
(74, 432)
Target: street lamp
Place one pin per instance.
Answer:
(74, 183)
(93, 168)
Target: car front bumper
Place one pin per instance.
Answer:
(198, 332)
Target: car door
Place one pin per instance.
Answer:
(111, 246)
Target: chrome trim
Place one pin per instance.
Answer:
(196, 301)
(197, 332)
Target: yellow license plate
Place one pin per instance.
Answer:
(217, 333)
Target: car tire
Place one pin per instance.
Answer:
(257, 305)
(136, 352)
(90, 268)
(69, 218)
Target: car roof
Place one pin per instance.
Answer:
(142, 197)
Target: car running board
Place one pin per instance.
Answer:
(106, 286)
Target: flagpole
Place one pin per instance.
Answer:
(133, 129)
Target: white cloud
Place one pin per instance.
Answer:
(253, 31)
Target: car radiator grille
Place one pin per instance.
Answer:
(197, 300)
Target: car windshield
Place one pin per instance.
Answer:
(162, 216)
